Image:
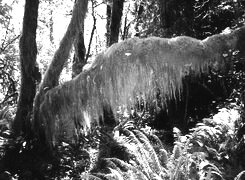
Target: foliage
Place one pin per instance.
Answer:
(212, 17)
(49, 28)
(198, 19)
(8, 57)
(214, 149)
(207, 152)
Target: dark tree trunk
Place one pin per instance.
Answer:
(189, 16)
(29, 72)
(164, 15)
(79, 57)
(116, 16)
(108, 23)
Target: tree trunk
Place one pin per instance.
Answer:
(164, 15)
(29, 72)
(79, 57)
(51, 77)
(117, 10)
(52, 74)
(108, 22)
(189, 16)
(51, 23)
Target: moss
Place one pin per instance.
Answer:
(128, 70)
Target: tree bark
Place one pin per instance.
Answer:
(189, 15)
(116, 16)
(164, 15)
(51, 24)
(51, 77)
(54, 70)
(29, 72)
(79, 57)
(108, 22)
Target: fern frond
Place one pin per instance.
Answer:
(120, 164)
(177, 151)
(240, 176)
(152, 158)
(89, 177)
(115, 174)
(128, 170)
(100, 175)
(141, 156)
(156, 140)
(163, 157)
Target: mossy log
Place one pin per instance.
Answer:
(129, 69)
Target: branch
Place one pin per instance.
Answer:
(7, 97)
(3, 48)
(92, 33)
(51, 77)
(125, 29)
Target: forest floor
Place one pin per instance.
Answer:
(213, 149)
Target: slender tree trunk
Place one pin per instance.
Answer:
(51, 24)
(108, 22)
(164, 14)
(189, 15)
(29, 72)
(116, 16)
(79, 57)
(52, 74)
(92, 32)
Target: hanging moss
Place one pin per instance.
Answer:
(127, 70)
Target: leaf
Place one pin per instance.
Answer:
(212, 151)
(240, 176)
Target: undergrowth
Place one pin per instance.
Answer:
(212, 150)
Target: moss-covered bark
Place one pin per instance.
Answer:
(51, 77)
(79, 57)
(127, 70)
(29, 72)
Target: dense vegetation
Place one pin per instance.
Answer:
(199, 136)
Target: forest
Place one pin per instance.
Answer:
(120, 89)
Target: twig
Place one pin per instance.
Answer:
(92, 33)
(3, 48)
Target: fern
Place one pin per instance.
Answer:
(240, 176)
(89, 177)
(138, 150)
(152, 158)
(6, 119)
(163, 157)
(128, 170)
(143, 162)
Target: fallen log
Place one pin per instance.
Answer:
(129, 69)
